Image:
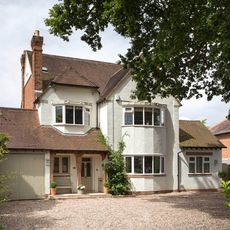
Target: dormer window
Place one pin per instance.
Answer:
(70, 114)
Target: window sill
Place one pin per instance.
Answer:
(63, 124)
(145, 175)
(199, 174)
(61, 175)
(145, 126)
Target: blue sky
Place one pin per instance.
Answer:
(20, 18)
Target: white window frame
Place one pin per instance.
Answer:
(132, 110)
(64, 115)
(195, 162)
(162, 172)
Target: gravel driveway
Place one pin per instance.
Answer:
(185, 210)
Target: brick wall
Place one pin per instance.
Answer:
(225, 139)
(29, 95)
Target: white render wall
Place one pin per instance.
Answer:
(212, 181)
(68, 95)
(144, 140)
(47, 173)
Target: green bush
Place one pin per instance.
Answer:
(53, 184)
(226, 186)
(117, 182)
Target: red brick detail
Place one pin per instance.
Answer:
(23, 73)
(225, 139)
(199, 153)
(36, 45)
(29, 94)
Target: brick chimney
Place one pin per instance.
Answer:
(36, 45)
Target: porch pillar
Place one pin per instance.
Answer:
(104, 177)
(51, 167)
(78, 164)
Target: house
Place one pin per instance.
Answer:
(67, 102)
(222, 132)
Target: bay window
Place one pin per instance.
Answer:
(70, 114)
(199, 164)
(146, 116)
(144, 164)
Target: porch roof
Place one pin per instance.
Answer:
(25, 132)
(193, 134)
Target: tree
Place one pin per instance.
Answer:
(178, 48)
(3, 178)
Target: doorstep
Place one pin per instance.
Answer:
(79, 196)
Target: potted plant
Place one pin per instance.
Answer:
(53, 188)
(80, 189)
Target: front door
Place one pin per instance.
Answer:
(86, 174)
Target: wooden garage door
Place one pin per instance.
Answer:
(27, 172)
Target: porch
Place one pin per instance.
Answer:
(69, 170)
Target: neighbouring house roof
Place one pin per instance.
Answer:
(24, 132)
(221, 128)
(193, 134)
(80, 72)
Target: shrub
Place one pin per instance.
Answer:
(53, 184)
(117, 182)
(226, 186)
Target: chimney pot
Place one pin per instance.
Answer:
(36, 33)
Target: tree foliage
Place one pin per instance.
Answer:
(178, 48)
(3, 178)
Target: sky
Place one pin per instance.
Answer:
(20, 18)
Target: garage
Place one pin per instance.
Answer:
(26, 172)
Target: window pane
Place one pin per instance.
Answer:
(206, 159)
(58, 112)
(199, 164)
(87, 116)
(65, 164)
(148, 116)
(128, 118)
(138, 116)
(162, 117)
(148, 164)
(157, 116)
(88, 169)
(69, 114)
(156, 164)
(128, 164)
(56, 165)
(206, 168)
(191, 167)
(162, 165)
(78, 115)
(138, 164)
(191, 158)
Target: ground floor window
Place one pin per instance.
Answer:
(61, 164)
(199, 164)
(144, 164)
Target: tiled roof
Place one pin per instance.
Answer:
(79, 72)
(24, 132)
(193, 134)
(221, 128)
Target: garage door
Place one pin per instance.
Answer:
(27, 175)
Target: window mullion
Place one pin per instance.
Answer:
(64, 114)
(143, 111)
(132, 163)
(143, 163)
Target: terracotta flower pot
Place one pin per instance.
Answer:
(53, 191)
(105, 190)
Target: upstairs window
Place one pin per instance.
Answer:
(59, 114)
(146, 116)
(69, 114)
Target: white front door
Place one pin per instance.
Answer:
(86, 174)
